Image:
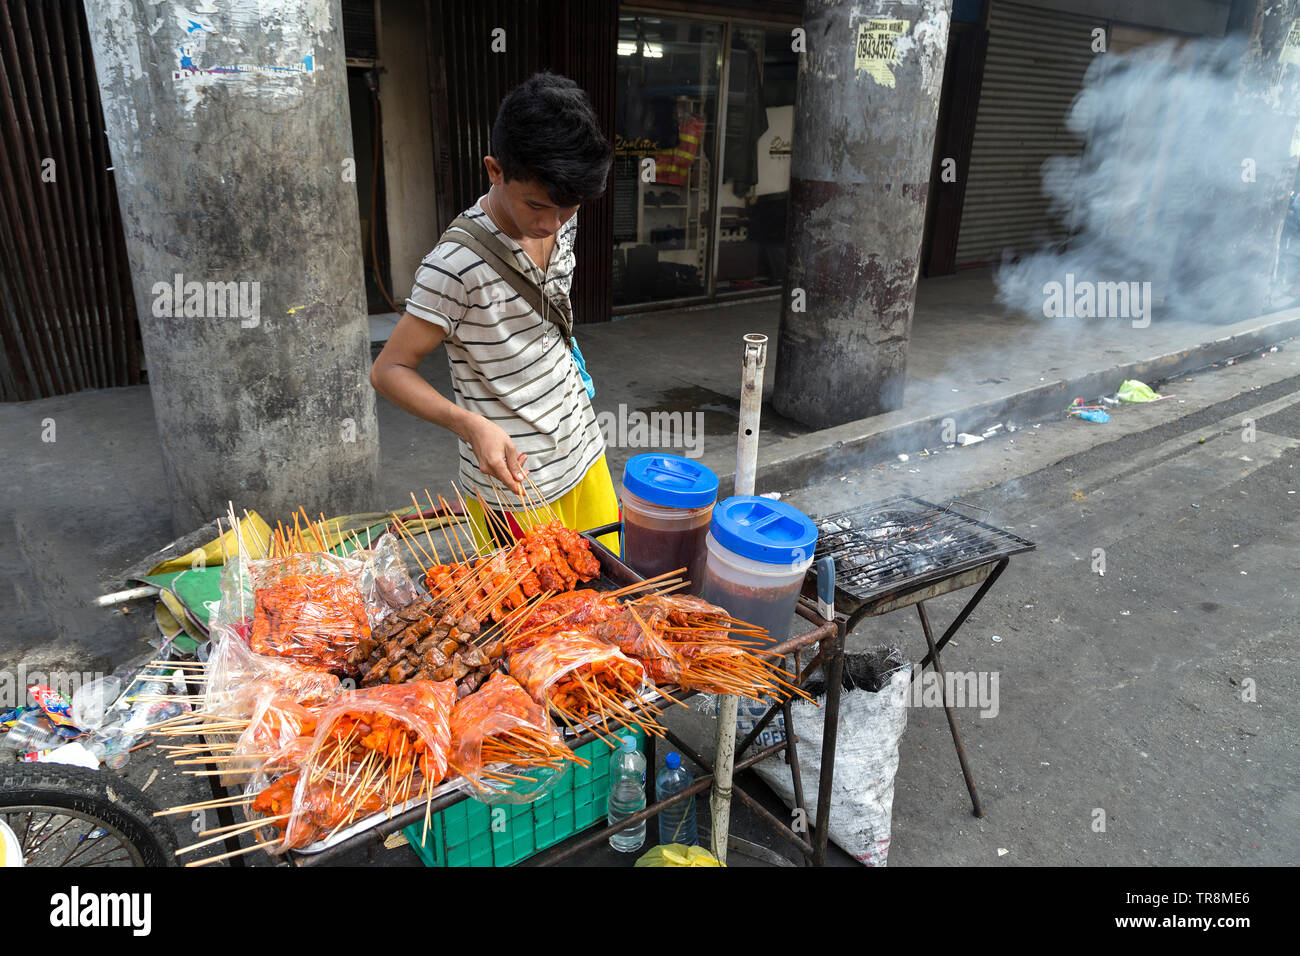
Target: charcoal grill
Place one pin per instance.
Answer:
(901, 552)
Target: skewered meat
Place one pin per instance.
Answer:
(436, 645)
(314, 619)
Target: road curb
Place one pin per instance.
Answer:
(854, 445)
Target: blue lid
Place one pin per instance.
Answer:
(765, 530)
(629, 745)
(670, 481)
(673, 760)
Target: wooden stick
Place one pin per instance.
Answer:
(434, 508)
(224, 856)
(234, 830)
(446, 508)
(423, 523)
(541, 497)
(207, 805)
(486, 547)
(641, 585)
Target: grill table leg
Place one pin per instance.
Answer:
(952, 720)
(960, 619)
(834, 677)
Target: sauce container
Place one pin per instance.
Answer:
(667, 504)
(759, 550)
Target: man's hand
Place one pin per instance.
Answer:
(496, 453)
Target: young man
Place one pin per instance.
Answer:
(521, 410)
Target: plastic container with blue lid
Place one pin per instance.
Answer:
(667, 505)
(758, 552)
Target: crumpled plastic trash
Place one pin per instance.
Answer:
(677, 854)
(1135, 391)
(73, 753)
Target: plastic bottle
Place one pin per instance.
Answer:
(627, 795)
(33, 731)
(676, 824)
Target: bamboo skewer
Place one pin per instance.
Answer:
(206, 805)
(434, 509)
(234, 830)
(225, 856)
(642, 585)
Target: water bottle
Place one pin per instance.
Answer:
(677, 823)
(627, 795)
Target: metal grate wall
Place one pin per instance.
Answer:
(67, 317)
(576, 38)
(1033, 70)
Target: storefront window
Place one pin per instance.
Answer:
(673, 237)
(665, 138)
(756, 146)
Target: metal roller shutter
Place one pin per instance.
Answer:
(1034, 68)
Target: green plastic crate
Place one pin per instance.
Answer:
(462, 834)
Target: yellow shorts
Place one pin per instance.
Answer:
(590, 504)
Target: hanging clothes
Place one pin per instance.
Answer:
(674, 165)
(746, 119)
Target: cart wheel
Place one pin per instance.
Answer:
(60, 815)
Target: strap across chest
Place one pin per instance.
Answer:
(468, 233)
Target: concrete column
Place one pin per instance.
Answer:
(869, 85)
(232, 148)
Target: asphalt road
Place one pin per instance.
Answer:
(1147, 716)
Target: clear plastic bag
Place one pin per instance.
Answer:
(313, 619)
(239, 680)
(364, 758)
(278, 738)
(542, 666)
(379, 574)
(638, 636)
(501, 706)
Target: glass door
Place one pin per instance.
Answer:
(668, 77)
(756, 149)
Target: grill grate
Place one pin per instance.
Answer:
(886, 546)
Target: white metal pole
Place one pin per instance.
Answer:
(724, 758)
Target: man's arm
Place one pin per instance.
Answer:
(395, 375)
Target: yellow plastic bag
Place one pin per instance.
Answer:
(677, 854)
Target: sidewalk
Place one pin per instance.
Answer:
(96, 499)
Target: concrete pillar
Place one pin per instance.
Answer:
(869, 85)
(232, 149)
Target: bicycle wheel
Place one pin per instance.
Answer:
(60, 815)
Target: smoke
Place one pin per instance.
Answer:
(1177, 199)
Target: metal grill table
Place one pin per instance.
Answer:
(903, 551)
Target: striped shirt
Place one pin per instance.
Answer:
(508, 363)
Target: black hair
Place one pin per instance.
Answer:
(546, 131)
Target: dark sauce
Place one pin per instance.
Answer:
(772, 608)
(650, 551)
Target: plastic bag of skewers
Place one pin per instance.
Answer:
(504, 744)
(583, 679)
(375, 750)
(313, 608)
(239, 680)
